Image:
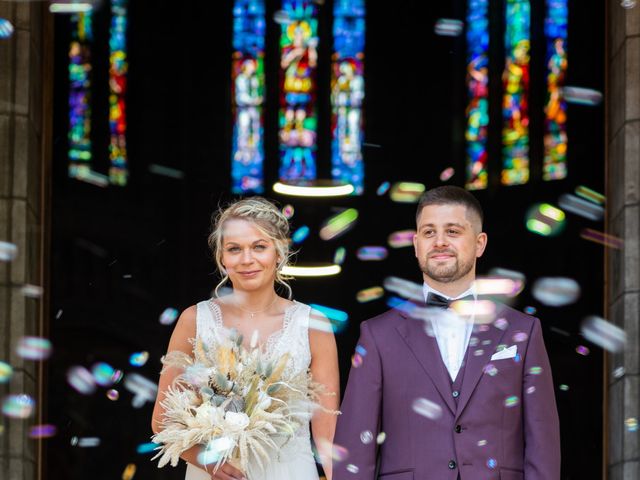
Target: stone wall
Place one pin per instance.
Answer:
(26, 80)
(623, 220)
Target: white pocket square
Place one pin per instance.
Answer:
(506, 353)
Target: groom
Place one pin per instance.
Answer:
(467, 400)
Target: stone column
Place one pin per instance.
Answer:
(622, 371)
(26, 81)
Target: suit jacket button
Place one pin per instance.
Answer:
(452, 464)
(458, 428)
(455, 393)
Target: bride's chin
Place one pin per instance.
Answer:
(259, 282)
(249, 284)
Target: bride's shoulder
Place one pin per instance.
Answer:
(186, 324)
(287, 304)
(299, 308)
(188, 314)
(319, 323)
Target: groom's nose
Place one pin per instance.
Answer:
(441, 239)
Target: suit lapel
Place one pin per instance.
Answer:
(425, 349)
(488, 337)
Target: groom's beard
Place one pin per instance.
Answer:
(447, 273)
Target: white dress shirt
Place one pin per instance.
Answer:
(452, 333)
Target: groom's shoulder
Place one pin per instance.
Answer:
(516, 318)
(386, 320)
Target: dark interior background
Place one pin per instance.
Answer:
(123, 255)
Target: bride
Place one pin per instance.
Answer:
(250, 243)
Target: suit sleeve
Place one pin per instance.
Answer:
(541, 424)
(360, 413)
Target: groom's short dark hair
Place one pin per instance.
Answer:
(447, 195)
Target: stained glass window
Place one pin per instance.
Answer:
(347, 93)
(248, 88)
(118, 171)
(515, 101)
(555, 134)
(297, 115)
(478, 91)
(80, 96)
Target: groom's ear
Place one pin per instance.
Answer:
(415, 244)
(481, 244)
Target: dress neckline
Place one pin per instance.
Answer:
(272, 339)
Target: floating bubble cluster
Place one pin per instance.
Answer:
(288, 211)
(447, 174)
(544, 219)
(31, 291)
(42, 431)
(105, 375)
(8, 251)
(370, 294)
(168, 316)
(581, 207)
(339, 224)
(85, 442)
(18, 406)
(129, 471)
(372, 253)
(34, 348)
(604, 334)
(143, 389)
(6, 28)
(583, 96)
(556, 291)
(448, 27)
(366, 437)
(5, 372)
(300, 234)
(512, 401)
(406, 192)
(81, 380)
(339, 255)
(401, 238)
(138, 359)
(383, 188)
(427, 408)
(351, 468)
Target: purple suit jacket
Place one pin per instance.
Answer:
(483, 437)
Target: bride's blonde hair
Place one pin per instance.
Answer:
(268, 219)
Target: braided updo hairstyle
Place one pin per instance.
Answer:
(268, 219)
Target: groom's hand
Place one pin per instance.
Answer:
(227, 472)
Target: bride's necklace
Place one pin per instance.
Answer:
(253, 313)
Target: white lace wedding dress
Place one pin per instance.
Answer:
(294, 461)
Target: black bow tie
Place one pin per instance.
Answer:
(438, 301)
